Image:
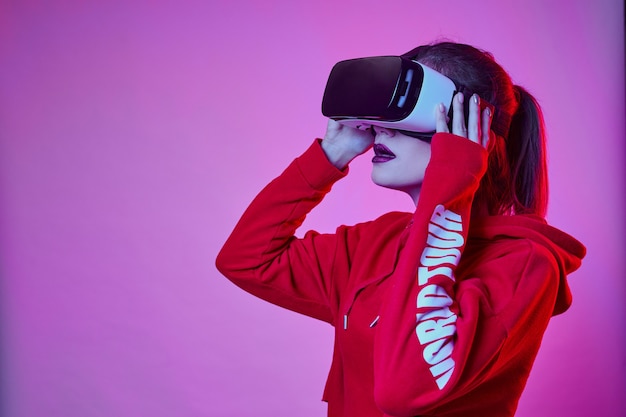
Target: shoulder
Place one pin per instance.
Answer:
(513, 259)
(510, 272)
(527, 243)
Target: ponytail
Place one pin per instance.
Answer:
(526, 154)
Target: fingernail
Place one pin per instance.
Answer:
(442, 108)
(488, 110)
(460, 95)
(475, 97)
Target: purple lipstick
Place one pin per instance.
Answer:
(382, 153)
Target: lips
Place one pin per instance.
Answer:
(382, 153)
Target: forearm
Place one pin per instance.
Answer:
(263, 257)
(417, 331)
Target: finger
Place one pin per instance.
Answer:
(486, 126)
(458, 116)
(333, 125)
(473, 120)
(441, 119)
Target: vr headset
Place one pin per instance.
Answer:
(394, 92)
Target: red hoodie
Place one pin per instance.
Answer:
(419, 329)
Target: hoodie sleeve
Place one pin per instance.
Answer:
(428, 327)
(263, 257)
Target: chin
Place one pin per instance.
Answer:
(411, 190)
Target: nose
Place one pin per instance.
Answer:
(383, 131)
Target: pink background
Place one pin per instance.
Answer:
(133, 134)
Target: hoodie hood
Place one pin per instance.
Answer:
(567, 251)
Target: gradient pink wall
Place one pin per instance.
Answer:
(133, 134)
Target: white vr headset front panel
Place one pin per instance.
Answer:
(436, 88)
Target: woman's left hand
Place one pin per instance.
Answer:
(478, 125)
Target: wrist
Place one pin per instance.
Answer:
(338, 155)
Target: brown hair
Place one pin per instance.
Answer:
(516, 179)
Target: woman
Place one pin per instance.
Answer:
(439, 312)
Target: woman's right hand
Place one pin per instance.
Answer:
(342, 143)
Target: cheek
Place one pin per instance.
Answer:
(418, 153)
(419, 161)
(416, 172)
